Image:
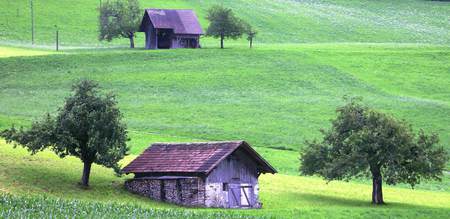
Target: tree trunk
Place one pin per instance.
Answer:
(131, 40)
(377, 190)
(251, 43)
(221, 41)
(86, 173)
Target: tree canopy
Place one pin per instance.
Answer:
(363, 142)
(119, 18)
(224, 24)
(89, 126)
(251, 33)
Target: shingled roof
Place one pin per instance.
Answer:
(199, 157)
(181, 21)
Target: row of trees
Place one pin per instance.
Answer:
(361, 142)
(121, 19)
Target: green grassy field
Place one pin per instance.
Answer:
(307, 56)
(282, 195)
(276, 103)
(276, 96)
(280, 21)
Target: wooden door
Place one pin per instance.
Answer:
(234, 195)
(240, 196)
(246, 196)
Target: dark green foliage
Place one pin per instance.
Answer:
(364, 142)
(224, 24)
(251, 33)
(119, 18)
(88, 126)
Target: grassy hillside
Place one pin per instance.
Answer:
(280, 21)
(270, 97)
(308, 55)
(282, 195)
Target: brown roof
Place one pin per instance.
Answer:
(199, 157)
(181, 21)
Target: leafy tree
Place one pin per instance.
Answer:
(224, 24)
(364, 142)
(251, 33)
(119, 18)
(88, 126)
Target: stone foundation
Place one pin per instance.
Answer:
(215, 196)
(182, 191)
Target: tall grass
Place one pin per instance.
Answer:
(47, 207)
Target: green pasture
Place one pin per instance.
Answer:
(275, 96)
(283, 196)
(279, 21)
(307, 56)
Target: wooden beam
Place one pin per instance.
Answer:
(156, 38)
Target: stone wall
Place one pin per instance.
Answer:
(146, 187)
(215, 196)
(182, 191)
(186, 191)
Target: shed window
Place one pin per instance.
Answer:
(225, 187)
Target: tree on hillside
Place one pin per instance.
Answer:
(363, 142)
(251, 33)
(119, 18)
(224, 24)
(88, 126)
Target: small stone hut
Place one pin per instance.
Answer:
(166, 29)
(209, 174)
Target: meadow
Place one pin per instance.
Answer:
(44, 185)
(308, 55)
(274, 97)
(279, 21)
(232, 94)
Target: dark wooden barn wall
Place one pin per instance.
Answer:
(238, 171)
(237, 168)
(151, 41)
(150, 34)
(178, 37)
(151, 37)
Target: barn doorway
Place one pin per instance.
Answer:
(240, 196)
(165, 38)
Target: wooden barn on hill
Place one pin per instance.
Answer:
(208, 174)
(165, 29)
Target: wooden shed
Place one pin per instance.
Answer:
(209, 174)
(165, 29)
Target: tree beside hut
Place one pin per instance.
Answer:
(224, 24)
(119, 19)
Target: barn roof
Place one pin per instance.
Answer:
(199, 157)
(181, 21)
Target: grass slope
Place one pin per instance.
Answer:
(280, 21)
(274, 96)
(270, 97)
(282, 195)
